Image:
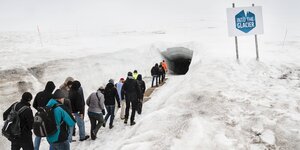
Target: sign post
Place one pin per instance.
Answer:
(236, 42)
(245, 21)
(256, 44)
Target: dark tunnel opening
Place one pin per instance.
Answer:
(178, 59)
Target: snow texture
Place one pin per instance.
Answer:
(220, 104)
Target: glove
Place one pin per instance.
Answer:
(103, 111)
(81, 116)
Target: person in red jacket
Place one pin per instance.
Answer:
(165, 66)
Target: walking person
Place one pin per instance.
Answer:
(63, 121)
(65, 88)
(132, 92)
(96, 111)
(78, 104)
(111, 96)
(135, 74)
(161, 73)
(154, 74)
(119, 86)
(41, 99)
(164, 64)
(142, 85)
(24, 141)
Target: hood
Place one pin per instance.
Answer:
(109, 86)
(52, 102)
(139, 77)
(68, 79)
(76, 85)
(50, 86)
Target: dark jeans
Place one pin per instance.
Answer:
(154, 77)
(61, 146)
(133, 107)
(25, 144)
(97, 121)
(110, 112)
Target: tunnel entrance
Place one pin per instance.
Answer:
(178, 59)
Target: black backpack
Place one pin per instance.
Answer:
(44, 121)
(12, 129)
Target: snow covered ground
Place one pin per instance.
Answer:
(219, 104)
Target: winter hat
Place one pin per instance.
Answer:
(27, 96)
(111, 81)
(58, 94)
(129, 74)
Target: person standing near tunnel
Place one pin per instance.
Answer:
(165, 67)
(161, 73)
(154, 74)
(164, 64)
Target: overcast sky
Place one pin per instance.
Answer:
(65, 14)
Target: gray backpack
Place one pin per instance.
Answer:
(11, 128)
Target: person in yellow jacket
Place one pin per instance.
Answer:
(135, 74)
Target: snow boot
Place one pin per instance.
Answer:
(132, 123)
(85, 138)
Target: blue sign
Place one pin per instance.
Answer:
(245, 22)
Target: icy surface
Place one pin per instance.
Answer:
(219, 104)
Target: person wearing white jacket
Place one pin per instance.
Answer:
(119, 86)
(96, 111)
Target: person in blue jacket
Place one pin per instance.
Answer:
(63, 119)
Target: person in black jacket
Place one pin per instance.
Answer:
(161, 73)
(155, 74)
(143, 89)
(77, 102)
(132, 92)
(110, 96)
(41, 99)
(26, 121)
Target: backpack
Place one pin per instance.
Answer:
(153, 72)
(44, 121)
(12, 129)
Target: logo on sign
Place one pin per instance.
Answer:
(245, 22)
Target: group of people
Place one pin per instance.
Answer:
(158, 73)
(68, 105)
(124, 94)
